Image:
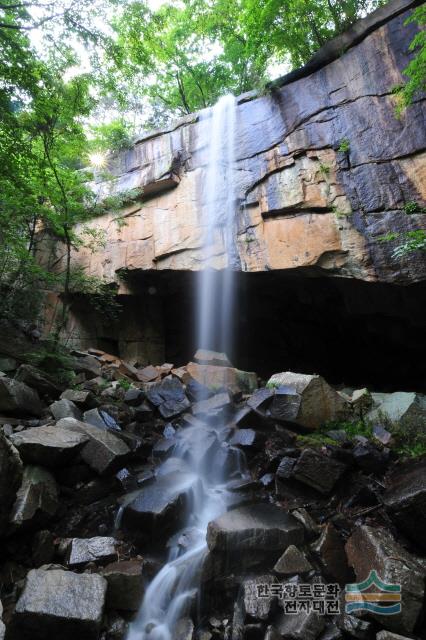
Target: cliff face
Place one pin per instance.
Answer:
(304, 203)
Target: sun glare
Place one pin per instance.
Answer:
(98, 159)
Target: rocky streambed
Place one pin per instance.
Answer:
(325, 486)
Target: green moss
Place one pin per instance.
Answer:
(314, 440)
(344, 146)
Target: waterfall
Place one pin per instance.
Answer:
(215, 288)
(202, 448)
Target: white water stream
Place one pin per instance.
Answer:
(173, 593)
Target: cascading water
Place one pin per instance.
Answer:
(201, 452)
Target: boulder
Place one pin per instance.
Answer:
(104, 452)
(83, 399)
(375, 548)
(65, 409)
(212, 406)
(160, 506)
(37, 499)
(10, 479)
(405, 500)
(98, 550)
(330, 550)
(17, 398)
(403, 407)
(319, 403)
(257, 607)
(292, 562)
(89, 365)
(361, 402)
(246, 438)
(317, 470)
(168, 396)
(218, 377)
(213, 358)
(38, 380)
(147, 374)
(60, 604)
(133, 397)
(370, 458)
(125, 585)
(49, 446)
(300, 626)
(101, 419)
(254, 527)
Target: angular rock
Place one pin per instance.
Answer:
(60, 604)
(36, 500)
(133, 397)
(213, 358)
(18, 398)
(89, 365)
(49, 446)
(317, 470)
(292, 562)
(168, 396)
(125, 585)
(331, 552)
(285, 405)
(369, 458)
(405, 408)
(98, 550)
(10, 479)
(148, 374)
(361, 401)
(38, 380)
(254, 527)
(285, 468)
(160, 506)
(246, 438)
(355, 627)
(375, 548)
(83, 399)
(43, 548)
(255, 606)
(101, 419)
(65, 409)
(319, 402)
(405, 500)
(312, 529)
(104, 452)
(212, 406)
(301, 626)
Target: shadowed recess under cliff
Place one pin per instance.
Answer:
(351, 332)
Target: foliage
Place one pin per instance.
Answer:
(344, 146)
(412, 207)
(409, 438)
(111, 136)
(53, 358)
(416, 69)
(184, 55)
(125, 384)
(414, 241)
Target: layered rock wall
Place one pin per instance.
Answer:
(303, 200)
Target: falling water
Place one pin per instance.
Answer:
(219, 200)
(201, 451)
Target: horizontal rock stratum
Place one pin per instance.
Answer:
(324, 169)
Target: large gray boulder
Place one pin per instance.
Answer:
(98, 549)
(104, 452)
(38, 380)
(319, 403)
(37, 499)
(168, 396)
(125, 585)
(261, 526)
(10, 479)
(403, 407)
(160, 506)
(375, 548)
(49, 446)
(65, 409)
(18, 398)
(59, 604)
(317, 470)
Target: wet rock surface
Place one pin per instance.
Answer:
(87, 510)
